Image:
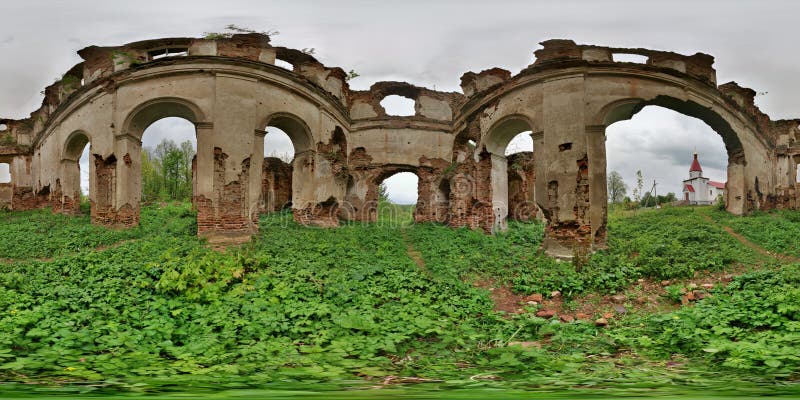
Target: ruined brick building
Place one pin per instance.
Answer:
(345, 143)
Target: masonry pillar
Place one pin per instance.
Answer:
(539, 167)
(67, 193)
(598, 185)
(257, 200)
(499, 177)
(566, 171)
(128, 180)
(737, 199)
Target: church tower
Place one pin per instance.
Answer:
(695, 171)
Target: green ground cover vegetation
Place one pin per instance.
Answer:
(153, 309)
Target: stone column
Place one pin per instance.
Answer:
(257, 175)
(499, 177)
(68, 197)
(598, 185)
(204, 177)
(128, 180)
(539, 167)
(736, 196)
(566, 163)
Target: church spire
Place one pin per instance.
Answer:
(695, 165)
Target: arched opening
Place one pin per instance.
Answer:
(662, 157)
(397, 198)
(797, 169)
(5, 172)
(513, 175)
(398, 106)
(168, 158)
(288, 163)
(284, 64)
(278, 144)
(521, 178)
(276, 182)
(77, 181)
(674, 130)
(86, 176)
(158, 148)
(6, 187)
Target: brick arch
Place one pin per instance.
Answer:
(500, 134)
(74, 144)
(625, 109)
(150, 111)
(495, 141)
(295, 127)
(66, 190)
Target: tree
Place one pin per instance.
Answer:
(616, 187)
(167, 171)
(383, 192)
(639, 189)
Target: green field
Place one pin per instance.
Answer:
(398, 310)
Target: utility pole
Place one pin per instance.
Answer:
(655, 192)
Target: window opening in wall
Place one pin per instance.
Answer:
(5, 173)
(397, 199)
(177, 52)
(630, 58)
(398, 106)
(278, 144)
(284, 64)
(520, 143)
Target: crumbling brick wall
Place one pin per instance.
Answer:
(6, 194)
(521, 180)
(102, 205)
(323, 215)
(227, 210)
(63, 203)
(276, 185)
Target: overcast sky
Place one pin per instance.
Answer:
(432, 43)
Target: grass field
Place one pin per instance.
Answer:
(399, 310)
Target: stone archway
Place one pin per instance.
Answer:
(495, 142)
(735, 189)
(66, 195)
(125, 163)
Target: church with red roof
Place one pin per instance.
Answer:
(699, 190)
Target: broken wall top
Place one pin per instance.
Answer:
(102, 63)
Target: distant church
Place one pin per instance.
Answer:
(699, 190)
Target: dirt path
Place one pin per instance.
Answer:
(743, 240)
(414, 254)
